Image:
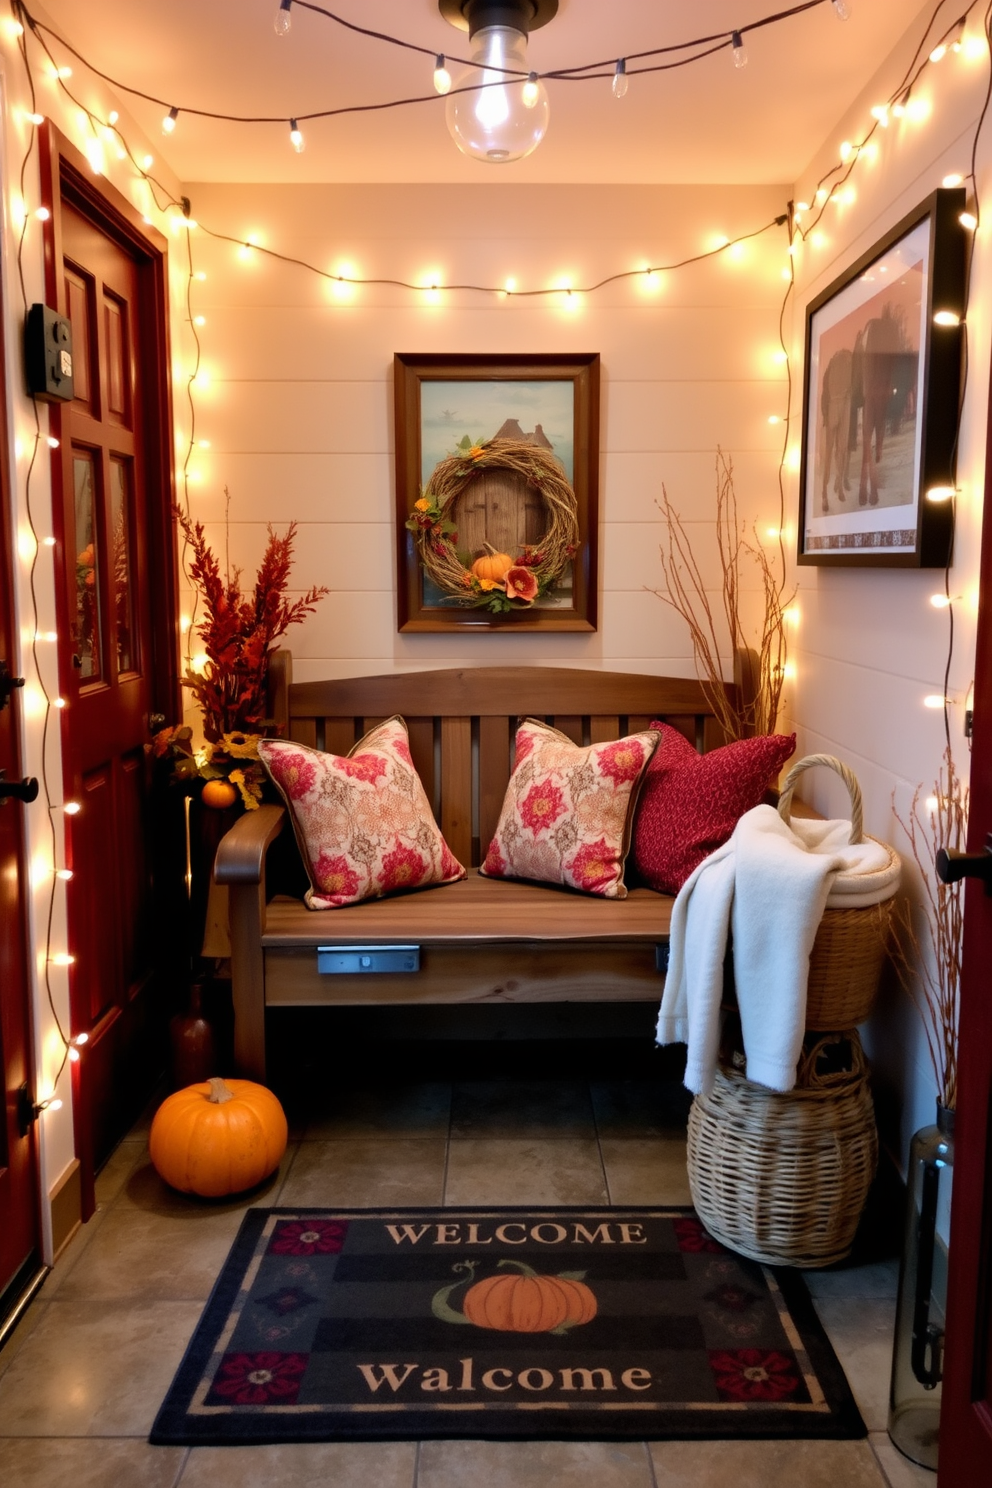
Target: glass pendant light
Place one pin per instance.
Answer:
(503, 114)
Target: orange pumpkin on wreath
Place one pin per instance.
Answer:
(524, 1303)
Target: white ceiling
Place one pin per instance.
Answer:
(705, 123)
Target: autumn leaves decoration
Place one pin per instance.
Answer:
(517, 1299)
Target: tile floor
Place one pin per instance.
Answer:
(84, 1373)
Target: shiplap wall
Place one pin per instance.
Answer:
(297, 408)
(870, 646)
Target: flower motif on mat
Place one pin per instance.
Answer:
(258, 1379)
(732, 1298)
(754, 1374)
(308, 1237)
(693, 1236)
(286, 1300)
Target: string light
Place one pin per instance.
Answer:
(739, 49)
(169, 122)
(936, 700)
(841, 10)
(283, 18)
(939, 52)
(620, 81)
(72, 808)
(65, 875)
(968, 221)
(942, 493)
(52, 442)
(946, 318)
(955, 179)
(296, 137)
(442, 77)
(531, 92)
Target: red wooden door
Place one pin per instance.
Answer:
(118, 658)
(966, 1407)
(18, 1169)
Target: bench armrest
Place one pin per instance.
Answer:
(241, 851)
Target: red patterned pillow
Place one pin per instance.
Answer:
(692, 802)
(363, 823)
(567, 811)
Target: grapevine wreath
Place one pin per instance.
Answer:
(500, 582)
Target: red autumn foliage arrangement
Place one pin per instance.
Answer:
(239, 630)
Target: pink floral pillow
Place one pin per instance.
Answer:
(567, 813)
(363, 823)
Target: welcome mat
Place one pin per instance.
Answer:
(509, 1323)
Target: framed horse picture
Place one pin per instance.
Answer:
(497, 461)
(881, 392)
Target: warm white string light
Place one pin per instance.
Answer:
(442, 77)
(739, 49)
(296, 137)
(283, 18)
(620, 81)
(169, 122)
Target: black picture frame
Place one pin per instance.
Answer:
(416, 377)
(879, 371)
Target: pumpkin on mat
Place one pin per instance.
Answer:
(524, 1303)
(218, 1138)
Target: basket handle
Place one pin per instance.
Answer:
(846, 774)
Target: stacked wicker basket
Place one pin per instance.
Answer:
(783, 1178)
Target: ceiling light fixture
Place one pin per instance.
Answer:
(500, 109)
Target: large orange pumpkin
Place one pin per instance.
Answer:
(528, 1303)
(492, 565)
(220, 1137)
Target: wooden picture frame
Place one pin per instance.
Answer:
(440, 400)
(880, 398)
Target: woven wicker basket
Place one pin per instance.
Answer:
(784, 1178)
(849, 951)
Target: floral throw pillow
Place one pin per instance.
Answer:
(692, 802)
(567, 811)
(363, 822)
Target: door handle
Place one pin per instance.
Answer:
(952, 865)
(17, 790)
(7, 684)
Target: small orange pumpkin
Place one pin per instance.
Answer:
(217, 1138)
(528, 1303)
(492, 565)
(219, 794)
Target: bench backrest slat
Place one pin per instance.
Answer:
(462, 723)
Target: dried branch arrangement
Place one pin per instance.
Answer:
(239, 630)
(686, 593)
(926, 948)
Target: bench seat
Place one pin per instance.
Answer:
(480, 940)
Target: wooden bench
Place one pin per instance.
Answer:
(481, 940)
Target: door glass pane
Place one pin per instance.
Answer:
(87, 568)
(120, 543)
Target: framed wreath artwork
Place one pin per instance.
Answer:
(497, 491)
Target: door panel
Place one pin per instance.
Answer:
(110, 464)
(966, 1406)
(19, 1232)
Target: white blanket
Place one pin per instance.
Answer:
(770, 885)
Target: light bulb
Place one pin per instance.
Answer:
(65, 874)
(283, 18)
(169, 122)
(72, 808)
(935, 700)
(494, 122)
(968, 220)
(81, 1039)
(442, 77)
(740, 50)
(942, 493)
(939, 52)
(296, 137)
(842, 10)
(620, 80)
(947, 318)
(954, 179)
(73, 1054)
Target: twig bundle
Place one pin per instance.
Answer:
(927, 945)
(686, 594)
(434, 530)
